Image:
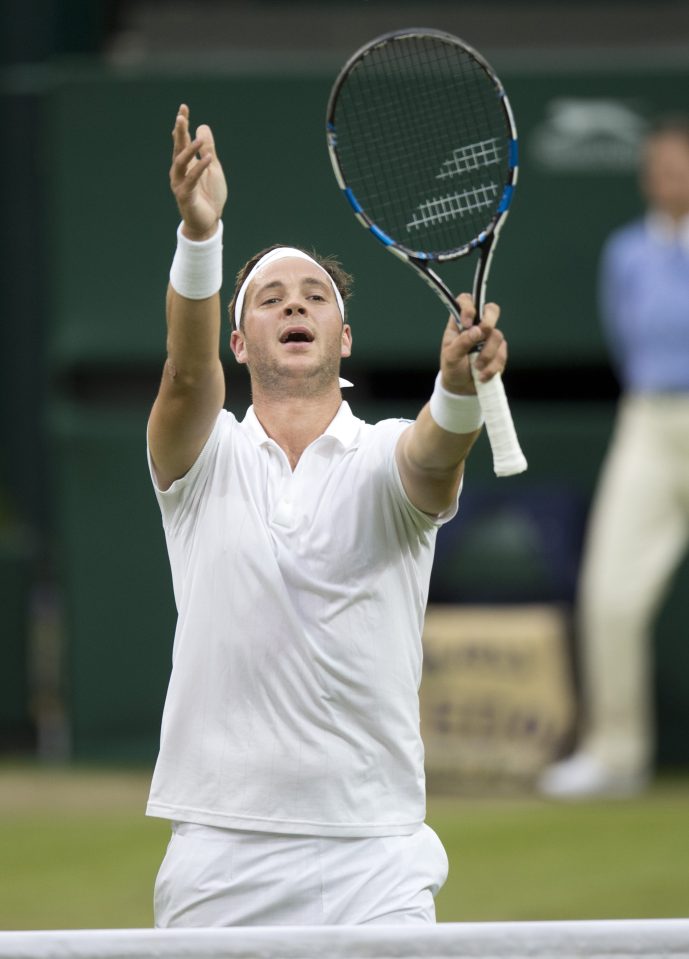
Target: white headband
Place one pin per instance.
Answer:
(279, 254)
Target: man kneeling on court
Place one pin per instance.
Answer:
(301, 541)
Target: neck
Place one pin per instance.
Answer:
(294, 422)
(677, 216)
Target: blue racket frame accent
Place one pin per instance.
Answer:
(352, 200)
(383, 237)
(506, 198)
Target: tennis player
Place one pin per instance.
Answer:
(300, 541)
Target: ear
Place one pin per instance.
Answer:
(346, 348)
(238, 346)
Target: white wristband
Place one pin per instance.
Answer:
(196, 270)
(455, 413)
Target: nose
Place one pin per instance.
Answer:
(295, 308)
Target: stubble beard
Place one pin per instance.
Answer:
(283, 381)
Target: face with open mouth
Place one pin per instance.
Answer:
(292, 331)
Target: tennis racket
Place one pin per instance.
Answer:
(424, 147)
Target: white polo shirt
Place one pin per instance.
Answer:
(293, 700)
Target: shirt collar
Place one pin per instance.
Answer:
(344, 427)
(664, 230)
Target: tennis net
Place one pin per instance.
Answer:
(614, 939)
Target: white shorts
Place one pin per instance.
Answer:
(225, 877)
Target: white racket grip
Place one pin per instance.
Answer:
(508, 458)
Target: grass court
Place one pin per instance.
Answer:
(76, 851)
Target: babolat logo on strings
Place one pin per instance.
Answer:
(463, 160)
(448, 207)
(476, 155)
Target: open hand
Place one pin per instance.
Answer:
(196, 178)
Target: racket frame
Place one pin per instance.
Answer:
(508, 457)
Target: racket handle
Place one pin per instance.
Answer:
(508, 458)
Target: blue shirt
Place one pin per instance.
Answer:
(644, 301)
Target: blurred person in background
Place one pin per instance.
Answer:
(639, 525)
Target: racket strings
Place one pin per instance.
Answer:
(422, 140)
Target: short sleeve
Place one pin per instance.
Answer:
(181, 501)
(421, 521)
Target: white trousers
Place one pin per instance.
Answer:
(225, 877)
(638, 531)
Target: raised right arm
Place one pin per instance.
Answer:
(192, 389)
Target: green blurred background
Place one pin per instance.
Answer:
(89, 91)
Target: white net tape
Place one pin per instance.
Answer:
(650, 938)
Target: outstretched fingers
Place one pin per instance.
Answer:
(188, 168)
(180, 131)
(189, 157)
(196, 177)
(189, 162)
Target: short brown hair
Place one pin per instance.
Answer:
(670, 124)
(332, 266)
